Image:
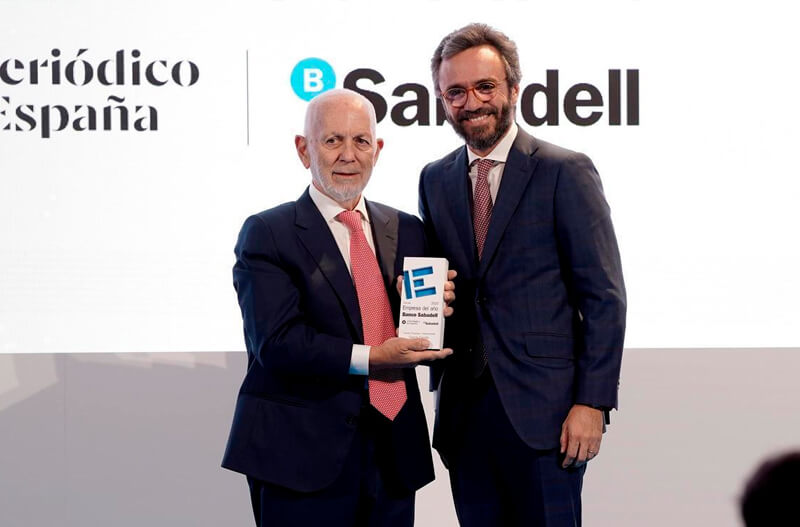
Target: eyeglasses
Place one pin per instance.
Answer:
(484, 91)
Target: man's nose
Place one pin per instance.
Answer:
(472, 102)
(348, 152)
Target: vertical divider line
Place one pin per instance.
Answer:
(62, 358)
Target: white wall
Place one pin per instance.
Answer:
(136, 439)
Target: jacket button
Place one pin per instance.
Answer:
(351, 420)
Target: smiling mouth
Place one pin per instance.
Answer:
(477, 118)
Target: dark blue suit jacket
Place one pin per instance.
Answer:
(298, 407)
(546, 300)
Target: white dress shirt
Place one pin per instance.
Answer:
(359, 359)
(499, 155)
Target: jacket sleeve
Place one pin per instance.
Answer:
(593, 273)
(277, 332)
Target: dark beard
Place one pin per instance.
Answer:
(480, 139)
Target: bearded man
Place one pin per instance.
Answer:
(538, 329)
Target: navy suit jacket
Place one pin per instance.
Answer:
(298, 407)
(546, 300)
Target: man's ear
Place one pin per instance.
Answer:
(514, 94)
(301, 145)
(379, 147)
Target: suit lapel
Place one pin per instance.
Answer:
(384, 234)
(457, 189)
(316, 236)
(516, 175)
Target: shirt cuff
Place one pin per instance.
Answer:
(359, 360)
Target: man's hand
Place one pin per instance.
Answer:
(398, 352)
(449, 290)
(581, 434)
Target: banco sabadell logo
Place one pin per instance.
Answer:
(312, 76)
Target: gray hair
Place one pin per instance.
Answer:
(477, 35)
(313, 108)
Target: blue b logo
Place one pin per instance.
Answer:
(312, 76)
(416, 287)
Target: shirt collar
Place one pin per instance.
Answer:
(330, 209)
(500, 152)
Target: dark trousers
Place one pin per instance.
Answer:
(498, 480)
(362, 495)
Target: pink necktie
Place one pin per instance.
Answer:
(387, 391)
(482, 204)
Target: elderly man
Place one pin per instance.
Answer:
(538, 329)
(328, 426)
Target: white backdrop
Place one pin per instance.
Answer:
(122, 240)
